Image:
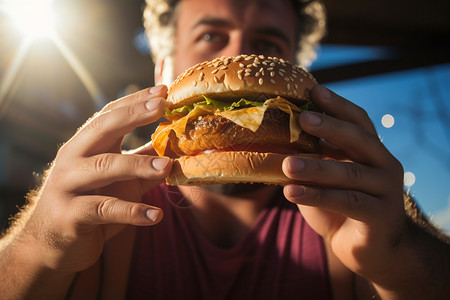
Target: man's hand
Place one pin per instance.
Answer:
(354, 196)
(92, 190)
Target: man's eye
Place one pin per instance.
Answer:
(267, 47)
(213, 37)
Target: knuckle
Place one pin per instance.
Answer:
(102, 163)
(94, 125)
(133, 212)
(105, 208)
(130, 111)
(353, 172)
(368, 137)
(355, 201)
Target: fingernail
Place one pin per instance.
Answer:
(160, 163)
(296, 165)
(297, 191)
(313, 118)
(152, 214)
(326, 94)
(157, 89)
(153, 104)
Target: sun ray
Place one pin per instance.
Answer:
(10, 76)
(83, 74)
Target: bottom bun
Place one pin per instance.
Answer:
(230, 167)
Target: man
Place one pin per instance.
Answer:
(75, 240)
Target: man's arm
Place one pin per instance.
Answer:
(89, 193)
(423, 260)
(354, 199)
(23, 272)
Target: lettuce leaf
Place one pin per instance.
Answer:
(242, 103)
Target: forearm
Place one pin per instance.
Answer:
(23, 274)
(422, 265)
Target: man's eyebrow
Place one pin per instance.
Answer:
(215, 22)
(274, 32)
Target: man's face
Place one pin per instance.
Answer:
(212, 28)
(207, 29)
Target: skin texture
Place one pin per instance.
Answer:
(90, 193)
(75, 238)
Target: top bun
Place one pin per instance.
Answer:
(253, 77)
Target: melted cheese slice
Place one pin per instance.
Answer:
(250, 118)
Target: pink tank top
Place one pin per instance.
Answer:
(281, 257)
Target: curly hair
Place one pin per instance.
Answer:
(160, 24)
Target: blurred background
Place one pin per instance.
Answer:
(61, 61)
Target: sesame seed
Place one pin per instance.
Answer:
(260, 81)
(223, 68)
(272, 64)
(194, 83)
(217, 80)
(269, 69)
(288, 86)
(272, 74)
(257, 74)
(241, 65)
(240, 76)
(215, 71)
(272, 81)
(261, 57)
(247, 74)
(199, 68)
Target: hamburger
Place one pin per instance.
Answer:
(234, 120)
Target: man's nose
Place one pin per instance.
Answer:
(236, 46)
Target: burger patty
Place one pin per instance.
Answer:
(218, 133)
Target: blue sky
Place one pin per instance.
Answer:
(418, 100)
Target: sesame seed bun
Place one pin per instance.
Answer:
(245, 76)
(238, 144)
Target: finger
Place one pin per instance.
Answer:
(96, 210)
(104, 132)
(101, 170)
(353, 204)
(359, 144)
(159, 91)
(340, 108)
(329, 173)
